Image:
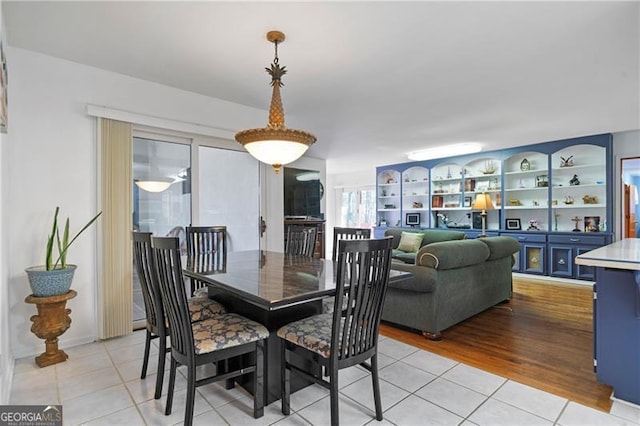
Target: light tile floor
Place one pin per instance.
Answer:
(100, 385)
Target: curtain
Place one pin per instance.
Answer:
(115, 250)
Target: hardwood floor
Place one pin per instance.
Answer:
(542, 338)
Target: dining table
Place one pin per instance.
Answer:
(274, 289)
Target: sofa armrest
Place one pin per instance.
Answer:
(500, 247)
(452, 254)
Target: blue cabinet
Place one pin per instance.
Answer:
(531, 258)
(617, 331)
(563, 250)
(554, 197)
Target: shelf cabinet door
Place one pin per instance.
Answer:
(584, 272)
(561, 261)
(533, 258)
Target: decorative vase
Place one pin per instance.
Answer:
(50, 283)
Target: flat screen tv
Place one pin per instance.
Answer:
(302, 192)
(412, 219)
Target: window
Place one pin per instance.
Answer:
(358, 207)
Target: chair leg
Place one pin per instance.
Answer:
(258, 382)
(172, 382)
(191, 395)
(376, 386)
(145, 361)
(162, 356)
(334, 396)
(285, 376)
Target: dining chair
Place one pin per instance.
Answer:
(212, 242)
(156, 328)
(340, 233)
(301, 240)
(204, 342)
(346, 337)
(348, 234)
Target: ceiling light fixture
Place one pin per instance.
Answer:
(155, 185)
(275, 144)
(445, 151)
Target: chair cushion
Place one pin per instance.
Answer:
(226, 331)
(410, 241)
(202, 308)
(312, 333)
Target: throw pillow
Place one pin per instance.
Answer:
(410, 242)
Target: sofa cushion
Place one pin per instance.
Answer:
(500, 247)
(410, 242)
(452, 254)
(429, 235)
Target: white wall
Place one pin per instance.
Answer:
(6, 359)
(625, 144)
(51, 161)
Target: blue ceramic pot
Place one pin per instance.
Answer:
(50, 283)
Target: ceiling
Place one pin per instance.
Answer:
(372, 80)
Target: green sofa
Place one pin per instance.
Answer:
(452, 281)
(428, 236)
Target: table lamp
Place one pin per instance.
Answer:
(483, 202)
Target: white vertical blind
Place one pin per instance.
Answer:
(116, 258)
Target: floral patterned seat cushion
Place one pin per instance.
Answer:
(202, 308)
(313, 333)
(225, 331)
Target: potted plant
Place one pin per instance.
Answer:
(54, 277)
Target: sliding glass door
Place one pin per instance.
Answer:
(181, 181)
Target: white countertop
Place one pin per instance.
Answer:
(623, 254)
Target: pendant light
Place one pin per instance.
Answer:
(276, 144)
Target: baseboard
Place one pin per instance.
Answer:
(543, 278)
(37, 349)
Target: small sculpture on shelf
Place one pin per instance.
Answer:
(568, 199)
(577, 220)
(417, 205)
(384, 193)
(489, 167)
(514, 202)
(533, 225)
(574, 181)
(588, 199)
(566, 162)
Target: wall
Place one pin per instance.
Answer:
(51, 161)
(6, 359)
(625, 144)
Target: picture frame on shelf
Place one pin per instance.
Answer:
(592, 224)
(513, 224)
(467, 202)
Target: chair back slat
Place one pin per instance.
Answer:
(362, 277)
(174, 299)
(207, 246)
(340, 233)
(301, 240)
(148, 278)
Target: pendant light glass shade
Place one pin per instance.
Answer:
(158, 185)
(275, 144)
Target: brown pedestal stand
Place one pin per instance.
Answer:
(52, 321)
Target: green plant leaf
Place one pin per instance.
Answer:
(50, 238)
(65, 248)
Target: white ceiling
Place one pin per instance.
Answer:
(372, 80)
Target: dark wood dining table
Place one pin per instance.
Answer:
(271, 288)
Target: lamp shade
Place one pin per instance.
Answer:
(483, 202)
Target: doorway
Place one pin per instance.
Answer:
(629, 202)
